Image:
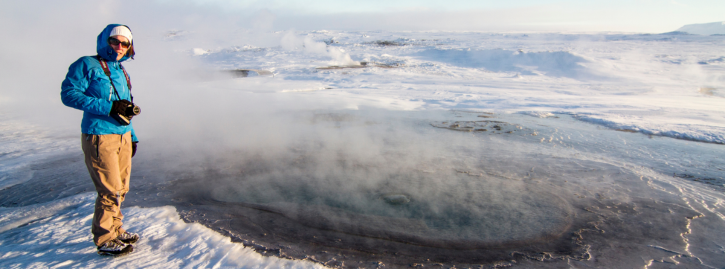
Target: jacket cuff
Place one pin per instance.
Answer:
(107, 106)
(133, 136)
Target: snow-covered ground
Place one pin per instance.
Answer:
(55, 235)
(713, 28)
(666, 85)
(630, 127)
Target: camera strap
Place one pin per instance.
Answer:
(106, 70)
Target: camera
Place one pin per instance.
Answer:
(129, 112)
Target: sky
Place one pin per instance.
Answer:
(649, 16)
(480, 15)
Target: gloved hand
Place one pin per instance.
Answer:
(120, 106)
(133, 148)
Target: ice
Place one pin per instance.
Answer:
(290, 41)
(20, 144)
(555, 64)
(57, 234)
(713, 28)
(599, 69)
(199, 51)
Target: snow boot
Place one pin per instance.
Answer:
(128, 238)
(114, 247)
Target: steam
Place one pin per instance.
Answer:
(290, 41)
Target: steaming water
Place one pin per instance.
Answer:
(483, 211)
(402, 195)
(433, 154)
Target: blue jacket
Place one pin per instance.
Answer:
(87, 87)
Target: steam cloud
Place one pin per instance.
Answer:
(290, 41)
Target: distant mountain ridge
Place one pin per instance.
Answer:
(713, 28)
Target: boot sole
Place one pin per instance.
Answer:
(123, 252)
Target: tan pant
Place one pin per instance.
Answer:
(108, 159)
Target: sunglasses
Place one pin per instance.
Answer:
(115, 42)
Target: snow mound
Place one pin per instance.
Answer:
(714, 61)
(57, 234)
(713, 28)
(549, 63)
(692, 132)
(199, 51)
(538, 114)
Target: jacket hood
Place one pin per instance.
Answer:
(104, 50)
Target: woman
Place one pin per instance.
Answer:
(100, 86)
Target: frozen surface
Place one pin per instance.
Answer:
(20, 143)
(713, 28)
(669, 85)
(365, 149)
(57, 234)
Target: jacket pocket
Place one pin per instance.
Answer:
(100, 86)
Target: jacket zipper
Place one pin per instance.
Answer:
(110, 82)
(110, 79)
(110, 91)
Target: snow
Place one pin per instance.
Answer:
(618, 118)
(198, 51)
(20, 144)
(713, 28)
(57, 235)
(595, 75)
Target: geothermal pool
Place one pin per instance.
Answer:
(401, 188)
